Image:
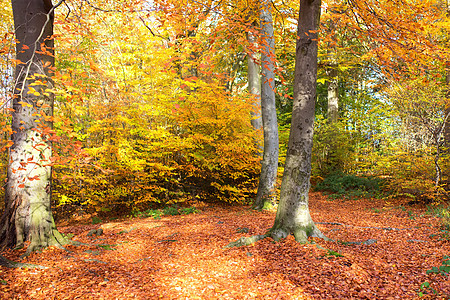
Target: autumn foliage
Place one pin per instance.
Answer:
(152, 107)
(146, 119)
(152, 118)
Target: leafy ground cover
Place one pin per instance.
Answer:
(183, 257)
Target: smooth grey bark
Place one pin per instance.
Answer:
(293, 211)
(333, 96)
(332, 160)
(446, 144)
(447, 112)
(266, 195)
(28, 215)
(446, 132)
(254, 88)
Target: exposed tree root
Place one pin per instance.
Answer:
(4, 262)
(41, 242)
(245, 241)
(59, 243)
(366, 227)
(300, 235)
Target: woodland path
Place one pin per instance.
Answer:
(183, 257)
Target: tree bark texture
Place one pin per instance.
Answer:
(266, 195)
(333, 96)
(28, 215)
(293, 212)
(446, 144)
(254, 88)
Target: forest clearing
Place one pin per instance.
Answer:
(208, 149)
(183, 257)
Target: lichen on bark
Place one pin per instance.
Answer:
(28, 215)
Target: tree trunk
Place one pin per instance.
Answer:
(254, 88)
(332, 160)
(28, 215)
(266, 195)
(333, 96)
(293, 212)
(446, 144)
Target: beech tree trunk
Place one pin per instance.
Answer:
(333, 96)
(254, 88)
(28, 215)
(446, 144)
(332, 162)
(266, 195)
(293, 212)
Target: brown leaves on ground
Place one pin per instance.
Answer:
(183, 257)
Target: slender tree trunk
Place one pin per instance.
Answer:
(28, 215)
(446, 148)
(293, 212)
(333, 96)
(446, 144)
(332, 162)
(266, 195)
(254, 88)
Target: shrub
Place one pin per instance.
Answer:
(171, 211)
(188, 210)
(446, 218)
(350, 185)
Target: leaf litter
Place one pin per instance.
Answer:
(183, 257)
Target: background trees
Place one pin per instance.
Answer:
(152, 103)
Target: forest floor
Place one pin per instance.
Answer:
(183, 257)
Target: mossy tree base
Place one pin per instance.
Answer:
(301, 235)
(266, 205)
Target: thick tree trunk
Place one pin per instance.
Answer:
(293, 211)
(254, 88)
(28, 215)
(266, 195)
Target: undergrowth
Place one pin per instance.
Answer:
(443, 213)
(166, 211)
(443, 269)
(350, 186)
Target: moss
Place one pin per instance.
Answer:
(301, 233)
(268, 205)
